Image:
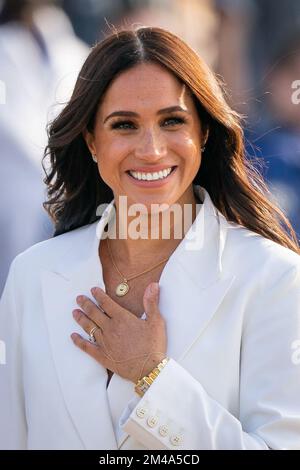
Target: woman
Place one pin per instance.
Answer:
(147, 129)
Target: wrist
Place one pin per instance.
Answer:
(145, 382)
(151, 363)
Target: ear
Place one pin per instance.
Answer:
(89, 140)
(205, 134)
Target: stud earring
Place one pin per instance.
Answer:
(94, 157)
(203, 149)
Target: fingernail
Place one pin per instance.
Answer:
(79, 299)
(75, 314)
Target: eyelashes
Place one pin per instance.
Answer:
(123, 125)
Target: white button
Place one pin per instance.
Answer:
(141, 412)
(176, 440)
(152, 421)
(163, 430)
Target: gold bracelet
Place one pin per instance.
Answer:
(144, 383)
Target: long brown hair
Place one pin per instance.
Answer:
(75, 188)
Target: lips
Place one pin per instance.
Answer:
(153, 169)
(156, 176)
(157, 183)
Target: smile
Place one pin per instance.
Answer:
(159, 175)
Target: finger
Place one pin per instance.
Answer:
(151, 299)
(86, 324)
(92, 311)
(111, 307)
(93, 350)
(84, 344)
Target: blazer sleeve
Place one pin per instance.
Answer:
(13, 432)
(177, 413)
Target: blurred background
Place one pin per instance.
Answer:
(253, 46)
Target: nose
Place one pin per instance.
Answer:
(151, 145)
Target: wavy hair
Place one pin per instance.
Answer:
(236, 187)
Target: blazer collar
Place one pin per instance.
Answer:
(206, 236)
(193, 285)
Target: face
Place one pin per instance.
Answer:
(135, 138)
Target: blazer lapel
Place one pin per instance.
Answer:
(192, 288)
(193, 284)
(82, 379)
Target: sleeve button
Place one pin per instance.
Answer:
(176, 440)
(141, 412)
(163, 430)
(152, 421)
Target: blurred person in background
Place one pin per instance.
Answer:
(259, 60)
(250, 34)
(277, 139)
(22, 220)
(90, 19)
(39, 60)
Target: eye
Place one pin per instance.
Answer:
(176, 120)
(126, 125)
(121, 125)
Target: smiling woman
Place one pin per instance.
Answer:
(143, 137)
(147, 151)
(110, 331)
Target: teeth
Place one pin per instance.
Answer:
(151, 176)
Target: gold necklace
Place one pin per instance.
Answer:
(123, 287)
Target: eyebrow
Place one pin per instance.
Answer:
(170, 109)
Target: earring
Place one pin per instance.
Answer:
(94, 157)
(203, 149)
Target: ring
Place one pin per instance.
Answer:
(92, 337)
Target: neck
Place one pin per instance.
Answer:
(152, 236)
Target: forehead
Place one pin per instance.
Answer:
(146, 85)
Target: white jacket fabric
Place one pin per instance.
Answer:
(231, 301)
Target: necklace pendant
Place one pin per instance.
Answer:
(122, 289)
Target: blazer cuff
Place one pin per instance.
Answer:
(149, 424)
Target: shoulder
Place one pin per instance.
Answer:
(254, 255)
(57, 250)
(246, 253)
(267, 279)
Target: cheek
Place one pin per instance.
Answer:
(191, 155)
(193, 145)
(111, 145)
(189, 148)
(111, 151)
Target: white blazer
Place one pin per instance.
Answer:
(232, 308)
